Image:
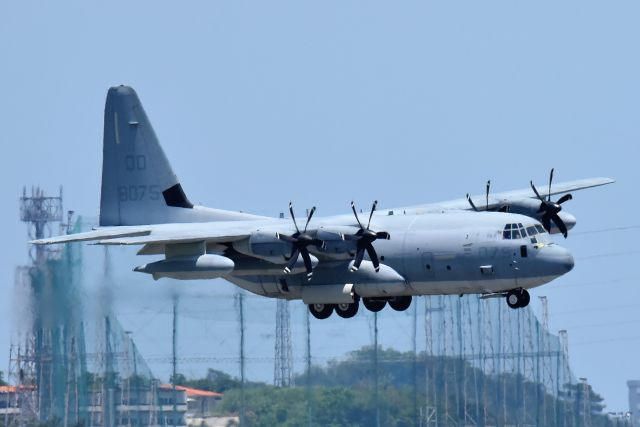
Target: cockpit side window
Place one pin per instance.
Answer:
(515, 234)
(540, 229)
(531, 231)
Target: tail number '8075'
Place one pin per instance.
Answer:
(136, 193)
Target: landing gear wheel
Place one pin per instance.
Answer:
(321, 311)
(525, 298)
(518, 298)
(400, 303)
(374, 305)
(347, 311)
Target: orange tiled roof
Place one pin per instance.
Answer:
(193, 392)
(7, 389)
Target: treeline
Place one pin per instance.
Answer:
(343, 393)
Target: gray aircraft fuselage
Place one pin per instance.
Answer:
(436, 253)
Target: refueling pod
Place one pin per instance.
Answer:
(207, 266)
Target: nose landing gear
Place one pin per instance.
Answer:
(518, 298)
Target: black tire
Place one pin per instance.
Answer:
(321, 311)
(518, 298)
(525, 298)
(513, 299)
(349, 311)
(400, 303)
(374, 305)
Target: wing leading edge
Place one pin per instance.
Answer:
(497, 199)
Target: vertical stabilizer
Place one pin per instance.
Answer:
(138, 184)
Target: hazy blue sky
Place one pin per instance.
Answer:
(259, 103)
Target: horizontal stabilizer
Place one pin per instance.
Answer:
(99, 234)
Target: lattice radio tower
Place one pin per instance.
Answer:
(39, 211)
(283, 359)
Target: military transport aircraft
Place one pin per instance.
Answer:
(498, 248)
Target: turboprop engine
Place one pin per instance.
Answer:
(269, 247)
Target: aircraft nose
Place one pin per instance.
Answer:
(557, 260)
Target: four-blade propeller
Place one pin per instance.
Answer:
(364, 240)
(551, 209)
(300, 241)
(486, 198)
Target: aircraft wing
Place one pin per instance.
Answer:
(497, 199)
(98, 234)
(224, 231)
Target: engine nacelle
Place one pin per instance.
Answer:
(207, 266)
(528, 207)
(265, 246)
(335, 245)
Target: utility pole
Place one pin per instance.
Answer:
(308, 357)
(240, 301)
(174, 359)
(375, 369)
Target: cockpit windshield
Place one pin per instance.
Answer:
(518, 231)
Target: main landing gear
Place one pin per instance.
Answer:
(518, 298)
(346, 310)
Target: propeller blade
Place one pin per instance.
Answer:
(373, 209)
(561, 226)
(546, 222)
(292, 260)
(550, 181)
(359, 257)
(352, 237)
(471, 203)
(307, 262)
(311, 212)
(536, 191)
(383, 235)
(373, 256)
(564, 198)
(487, 196)
(353, 208)
(293, 217)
